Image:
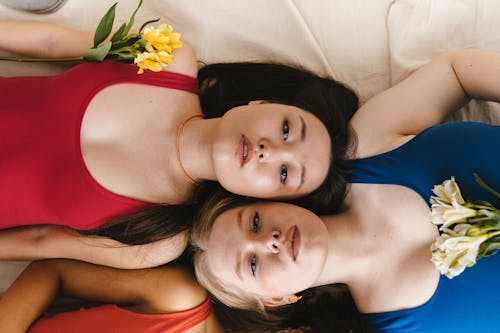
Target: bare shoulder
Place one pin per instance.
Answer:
(173, 289)
(185, 61)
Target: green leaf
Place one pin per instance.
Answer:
(132, 18)
(98, 53)
(489, 249)
(125, 57)
(148, 22)
(105, 25)
(127, 42)
(119, 34)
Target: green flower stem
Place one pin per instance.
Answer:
(41, 59)
(478, 219)
(493, 234)
(482, 183)
(476, 206)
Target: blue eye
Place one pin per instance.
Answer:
(283, 174)
(255, 222)
(253, 265)
(285, 130)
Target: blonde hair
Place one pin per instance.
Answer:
(220, 201)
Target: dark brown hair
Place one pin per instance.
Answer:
(224, 86)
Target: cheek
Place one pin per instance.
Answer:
(287, 280)
(248, 181)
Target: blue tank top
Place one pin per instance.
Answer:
(469, 302)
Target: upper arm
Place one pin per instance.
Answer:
(421, 100)
(155, 290)
(185, 61)
(50, 241)
(173, 289)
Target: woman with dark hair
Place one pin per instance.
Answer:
(111, 153)
(254, 255)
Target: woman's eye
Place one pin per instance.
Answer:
(253, 265)
(283, 174)
(285, 130)
(255, 222)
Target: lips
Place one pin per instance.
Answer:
(293, 242)
(244, 150)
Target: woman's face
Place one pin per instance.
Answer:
(269, 150)
(270, 249)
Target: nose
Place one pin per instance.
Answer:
(272, 242)
(268, 152)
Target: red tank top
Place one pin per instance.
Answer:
(43, 176)
(112, 319)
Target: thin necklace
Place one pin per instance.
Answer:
(177, 146)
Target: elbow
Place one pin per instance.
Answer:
(163, 251)
(38, 236)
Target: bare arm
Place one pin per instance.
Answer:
(159, 290)
(425, 97)
(49, 241)
(43, 40)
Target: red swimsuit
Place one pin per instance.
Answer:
(43, 176)
(112, 319)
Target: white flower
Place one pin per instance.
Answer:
(448, 205)
(447, 214)
(448, 192)
(452, 252)
(463, 239)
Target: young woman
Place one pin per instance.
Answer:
(166, 299)
(102, 149)
(379, 243)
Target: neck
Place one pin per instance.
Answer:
(349, 245)
(195, 145)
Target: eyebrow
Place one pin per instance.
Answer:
(302, 176)
(238, 253)
(303, 132)
(303, 129)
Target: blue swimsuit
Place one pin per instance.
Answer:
(471, 301)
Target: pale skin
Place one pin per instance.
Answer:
(149, 291)
(366, 246)
(143, 144)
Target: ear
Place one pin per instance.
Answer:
(257, 102)
(278, 301)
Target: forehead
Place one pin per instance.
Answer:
(223, 243)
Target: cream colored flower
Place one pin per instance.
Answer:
(147, 60)
(448, 214)
(448, 192)
(448, 205)
(162, 39)
(453, 253)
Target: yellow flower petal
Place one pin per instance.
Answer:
(162, 39)
(147, 60)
